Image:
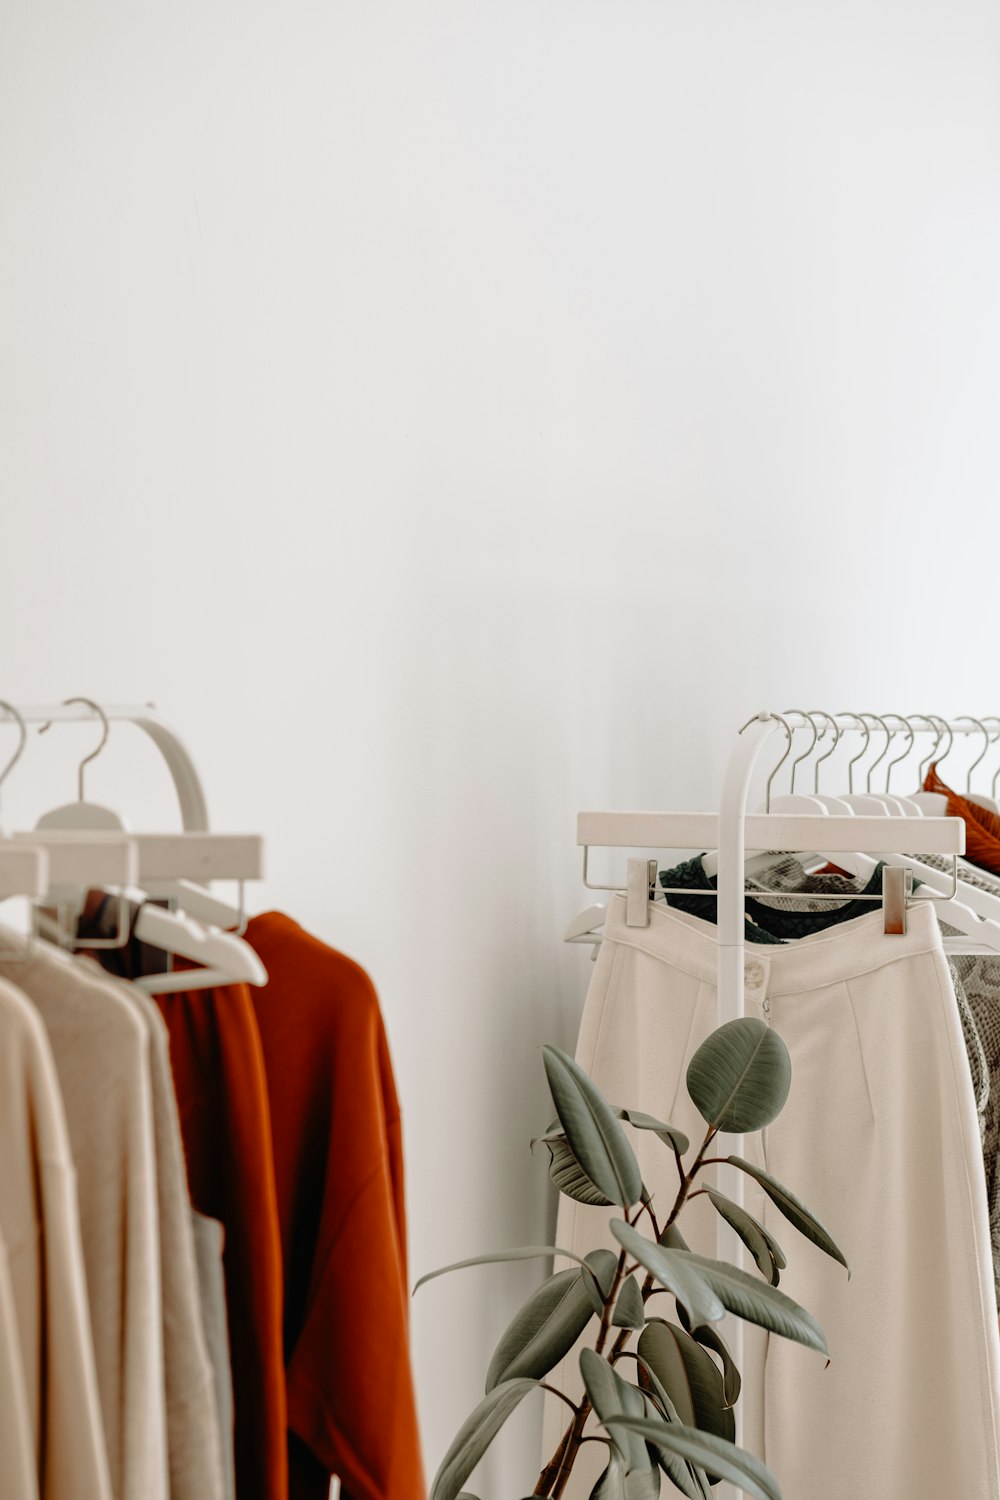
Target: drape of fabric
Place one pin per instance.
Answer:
(218, 1071)
(18, 1457)
(982, 827)
(879, 1137)
(194, 1445)
(208, 1242)
(101, 1053)
(339, 1174)
(51, 1433)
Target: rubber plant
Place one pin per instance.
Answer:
(659, 1392)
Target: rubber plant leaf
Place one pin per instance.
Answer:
(750, 1232)
(496, 1257)
(599, 1277)
(592, 1130)
(740, 1076)
(756, 1302)
(715, 1455)
(629, 1311)
(611, 1396)
(674, 1270)
(475, 1436)
(690, 1377)
(793, 1209)
(543, 1331)
(712, 1339)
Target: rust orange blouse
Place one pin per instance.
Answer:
(982, 827)
(339, 1175)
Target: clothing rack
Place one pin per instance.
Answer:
(732, 831)
(190, 792)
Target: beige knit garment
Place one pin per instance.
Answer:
(18, 1464)
(48, 1349)
(100, 1047)
(193, 1444)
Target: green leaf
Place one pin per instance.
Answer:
(570, 1178)
(475, 1436)
(674, 1270)
(546, 1328)
(793, 1209)
(756, 1302)
(681, 1475)
(713, 1454)
(712, 1339)
(668, 1134)
(599, 1277)
(750, 1232)
(672, 1239)
(611, 1396)
(594, 1134)
(740, 1076)
(690, 1377)
(629, 1311)
(521, 1252)
(616, 1484)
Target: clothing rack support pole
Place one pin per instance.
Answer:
(730, 991)
(190, 793)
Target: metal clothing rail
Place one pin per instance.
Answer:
(190, 793)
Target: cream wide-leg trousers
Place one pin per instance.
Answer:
(879, 1138)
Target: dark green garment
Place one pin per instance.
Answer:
(770, 924)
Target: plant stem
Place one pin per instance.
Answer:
(555, 1476)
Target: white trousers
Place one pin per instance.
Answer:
(879, 1138)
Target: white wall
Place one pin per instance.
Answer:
(455, 415)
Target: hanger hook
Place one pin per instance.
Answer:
(993, 719)
(809, 724)
(22, 731)
(947, 729)
(821, 713)
(848, 714)
(908, 727)
(934, 723)
(788, 750)
(968, 719)
(99, 711)
(867, 714)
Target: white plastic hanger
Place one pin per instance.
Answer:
(224, 957)
(934, 804)
(979, 798)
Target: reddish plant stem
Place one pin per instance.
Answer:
(555, 1476)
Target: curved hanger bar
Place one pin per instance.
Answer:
(821, 713)
(923, 766)
(849, 714)
(993, 719)
(968, 718)
(908, 727)
(811, 724)
(23, 731)
(879, 758)
(95, 752)
(951, 740)
(788, 750)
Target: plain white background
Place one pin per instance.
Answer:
(454, 415)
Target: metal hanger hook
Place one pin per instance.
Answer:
(909, 730)
(788, 750)
(951, 740)
(99, 711)
(867, 714)
(849, 714)
(821, 713)
(934, 722)
(810, 724)
(993, 719)
(967, 718)
(23, 732)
